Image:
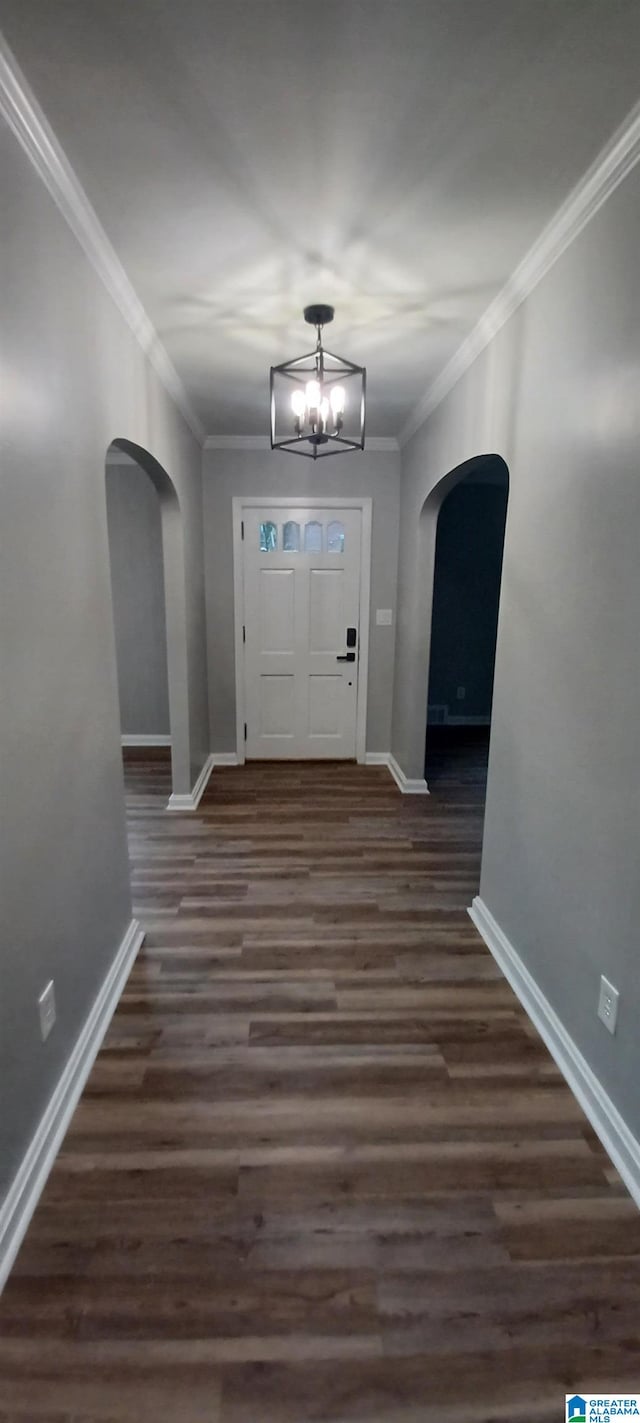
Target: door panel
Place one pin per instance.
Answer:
(326, 610)
(277, 706)
(326, 705)
(301, 576)
(277, 610)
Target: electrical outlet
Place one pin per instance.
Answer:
(461, 693)
(608, 1004)
(47, 1010)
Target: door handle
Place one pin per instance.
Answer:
(348, 657)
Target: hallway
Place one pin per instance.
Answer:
(324, 1168)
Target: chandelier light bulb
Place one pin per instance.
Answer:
(324, 410)
(337, 400)
(298, 404)
(313, 394)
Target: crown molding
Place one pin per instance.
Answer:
(610, 168)
(374, 443)
(26, 119)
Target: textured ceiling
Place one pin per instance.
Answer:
(393, 157)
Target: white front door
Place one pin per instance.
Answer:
(301, 573)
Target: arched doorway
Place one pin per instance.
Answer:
(149, 607)
(470, 518)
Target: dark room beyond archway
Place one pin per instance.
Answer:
(464, 624)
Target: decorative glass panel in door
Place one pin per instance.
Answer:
(335, 537)
(268, 537)
(313, 537)
(291, 537)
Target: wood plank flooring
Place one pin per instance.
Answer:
(324, 1168)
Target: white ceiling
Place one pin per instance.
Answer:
(393, 157)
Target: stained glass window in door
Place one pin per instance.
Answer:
(335, 537)
(313, 537)
(291, 537)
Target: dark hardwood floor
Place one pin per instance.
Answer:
(457, 756)
(324, 1168)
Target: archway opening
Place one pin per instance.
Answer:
(146, 558)
(134, 521)
(469, 545)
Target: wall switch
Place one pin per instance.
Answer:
(47, 1010)
(608, 1004)
(384, 617)
(461, 693)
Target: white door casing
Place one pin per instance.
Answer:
(301, 593)
(294, 602)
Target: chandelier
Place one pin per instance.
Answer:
(318, 400)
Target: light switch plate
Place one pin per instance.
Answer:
(608, 1004)
(47, 1010)
(384, 617)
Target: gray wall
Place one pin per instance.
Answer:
(556, 394)
(252, 472)
(137, 585)
(73, 379)
(466, 592)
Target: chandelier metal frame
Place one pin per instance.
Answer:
(329, 370)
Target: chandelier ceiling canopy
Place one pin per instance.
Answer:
(318, 400)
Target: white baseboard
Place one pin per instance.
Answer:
(26, 1188)
(225, 758)
(616, 1137)
(190, 800)
(406, 785)
(144, 739)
